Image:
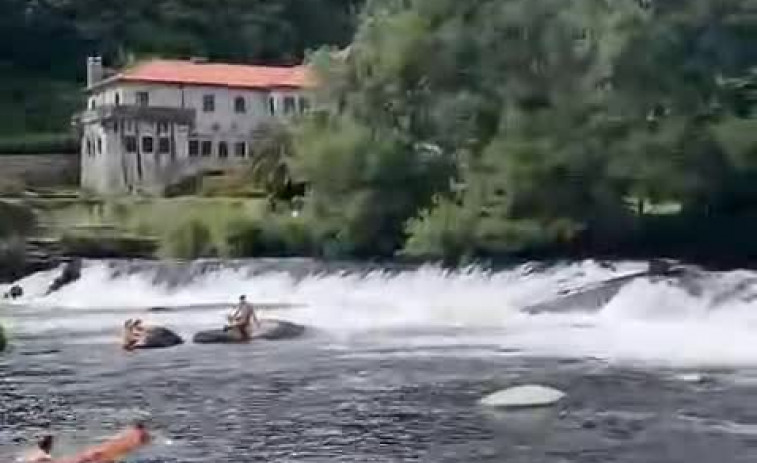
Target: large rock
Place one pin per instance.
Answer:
(159, 337)
(3, 341)
(270, 330)
(529, 396)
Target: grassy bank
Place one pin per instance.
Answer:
(185, 227)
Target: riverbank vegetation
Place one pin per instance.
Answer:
(455, 130)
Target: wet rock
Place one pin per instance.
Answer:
(3, 341)
(589, 424)
(71, 272)
(529, 396)
(159, 337)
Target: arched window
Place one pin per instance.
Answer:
(239, 105)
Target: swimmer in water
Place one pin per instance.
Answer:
(42, 452)
(115, 448)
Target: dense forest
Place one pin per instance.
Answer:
(460, 129)
(45, 43)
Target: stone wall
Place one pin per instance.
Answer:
(40, 170)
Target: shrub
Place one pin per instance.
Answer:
(12, 259)
(16, 219)
(189, 240)
(271, 236)
(104, 246)
(446, 232)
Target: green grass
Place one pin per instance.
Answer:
(152, 218)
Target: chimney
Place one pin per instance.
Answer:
(94, 70)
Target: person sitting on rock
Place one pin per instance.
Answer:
(239, 319)
(135, 333)
(42, 452)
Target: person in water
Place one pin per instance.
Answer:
(42, 453)
(134, 333)
(113, 449)
(239, 319)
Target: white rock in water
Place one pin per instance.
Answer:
(523, 397)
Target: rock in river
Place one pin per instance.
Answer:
(524, 397)
(2, 339)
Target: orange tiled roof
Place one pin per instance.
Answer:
(216, 74)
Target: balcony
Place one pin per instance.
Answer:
(182, 116)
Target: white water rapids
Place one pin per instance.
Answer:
(649, 323)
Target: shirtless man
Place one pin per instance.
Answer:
(239, 319)
(134, 333)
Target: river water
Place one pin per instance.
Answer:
(392, 366)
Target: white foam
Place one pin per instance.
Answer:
(645, 322)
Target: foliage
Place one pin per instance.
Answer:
(16, 219)
(47, 43)
(189, 240)
(561, 120)
(13, 259)
(104, 246)
(269, 236)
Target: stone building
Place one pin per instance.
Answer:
(150, 125)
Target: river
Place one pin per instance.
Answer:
(392, 366)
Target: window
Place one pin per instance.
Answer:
(129, 126)
(92, 103)
(99, 145)
(148, 145)
(194, 148)
(223, 149)
(143, 99)
(208, 103)
(271, 105)
(207, 147)
(164, 145)
(290, 105)
(88, 147)
(239, 105)
(240, 149)
(130, 143)
(162, 128)
(117, 99)
(304, 104)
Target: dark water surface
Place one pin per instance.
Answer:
(393, 366)
(314, 400)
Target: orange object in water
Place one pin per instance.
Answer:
(113, 449)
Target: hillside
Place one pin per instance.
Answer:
(42, 68)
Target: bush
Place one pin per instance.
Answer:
(12, 259)
(16, 219)
(105, 246)
(189, 240)
(446, 232)
(271, 236)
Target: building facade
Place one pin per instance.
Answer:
(149, 126)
